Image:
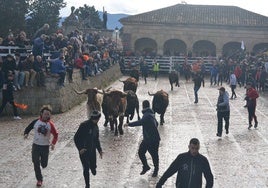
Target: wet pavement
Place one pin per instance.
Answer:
(238, 160)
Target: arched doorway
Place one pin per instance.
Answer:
(204, 48)
(175, 47)
(231, 49)
(259, 48)
(146, 46)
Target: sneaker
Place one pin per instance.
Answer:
(39, 183)
(250, 125)
(256, 125)
(93, 171)
(144, 170)
(219, 135)
(227, 131)
(17, 118)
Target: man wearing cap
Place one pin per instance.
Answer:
(87, 141)
(151, 138)
(251, 97)
(223, 111)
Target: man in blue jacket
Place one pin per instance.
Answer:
(57, 67)
(189, 167)
(150, 140)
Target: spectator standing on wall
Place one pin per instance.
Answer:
(43, 30)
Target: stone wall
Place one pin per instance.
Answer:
(62, 98)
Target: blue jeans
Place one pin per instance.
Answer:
(196, 88)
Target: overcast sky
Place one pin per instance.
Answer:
(139, 6)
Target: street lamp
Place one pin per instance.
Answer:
(116, 33)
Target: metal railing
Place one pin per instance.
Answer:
(166, 63)
(5, 50)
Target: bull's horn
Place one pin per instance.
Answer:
(100, 92)
(150, 94)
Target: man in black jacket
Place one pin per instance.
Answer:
(198, 80)
(151, 138)
(190, 166)
(87, 141)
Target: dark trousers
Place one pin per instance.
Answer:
(40, 78)
(69, 71)
(39, 156)
(251, 114)
(4, 103)
(155, 75)
(233, 91)
(152, 148)
(196, 88)
(223, 115)
(62, 78)
(213, 79)
(87, 164)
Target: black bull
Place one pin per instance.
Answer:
(160, 104)
(173, 78)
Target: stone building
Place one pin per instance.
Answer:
(202, 30)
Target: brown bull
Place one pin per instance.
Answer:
(114, 106)
(173, 78)
(160, 104)
(94, 99)
(130, 84)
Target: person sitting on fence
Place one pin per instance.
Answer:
(23, 42)
(9, 40)
(40, 68)
(57, 67)
(19, 75)
(28, 68)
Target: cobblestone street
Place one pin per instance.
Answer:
(238, 160)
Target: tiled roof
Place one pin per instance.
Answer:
(200, 14)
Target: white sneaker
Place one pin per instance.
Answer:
(17, 118)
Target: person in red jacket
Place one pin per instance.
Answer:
(238, 73)
(43, 128)
(251, 97)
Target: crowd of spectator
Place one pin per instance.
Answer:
(55, 54)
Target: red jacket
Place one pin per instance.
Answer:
(238, 72)
(252, 94)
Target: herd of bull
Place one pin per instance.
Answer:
(116, 104)
(119, 104)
